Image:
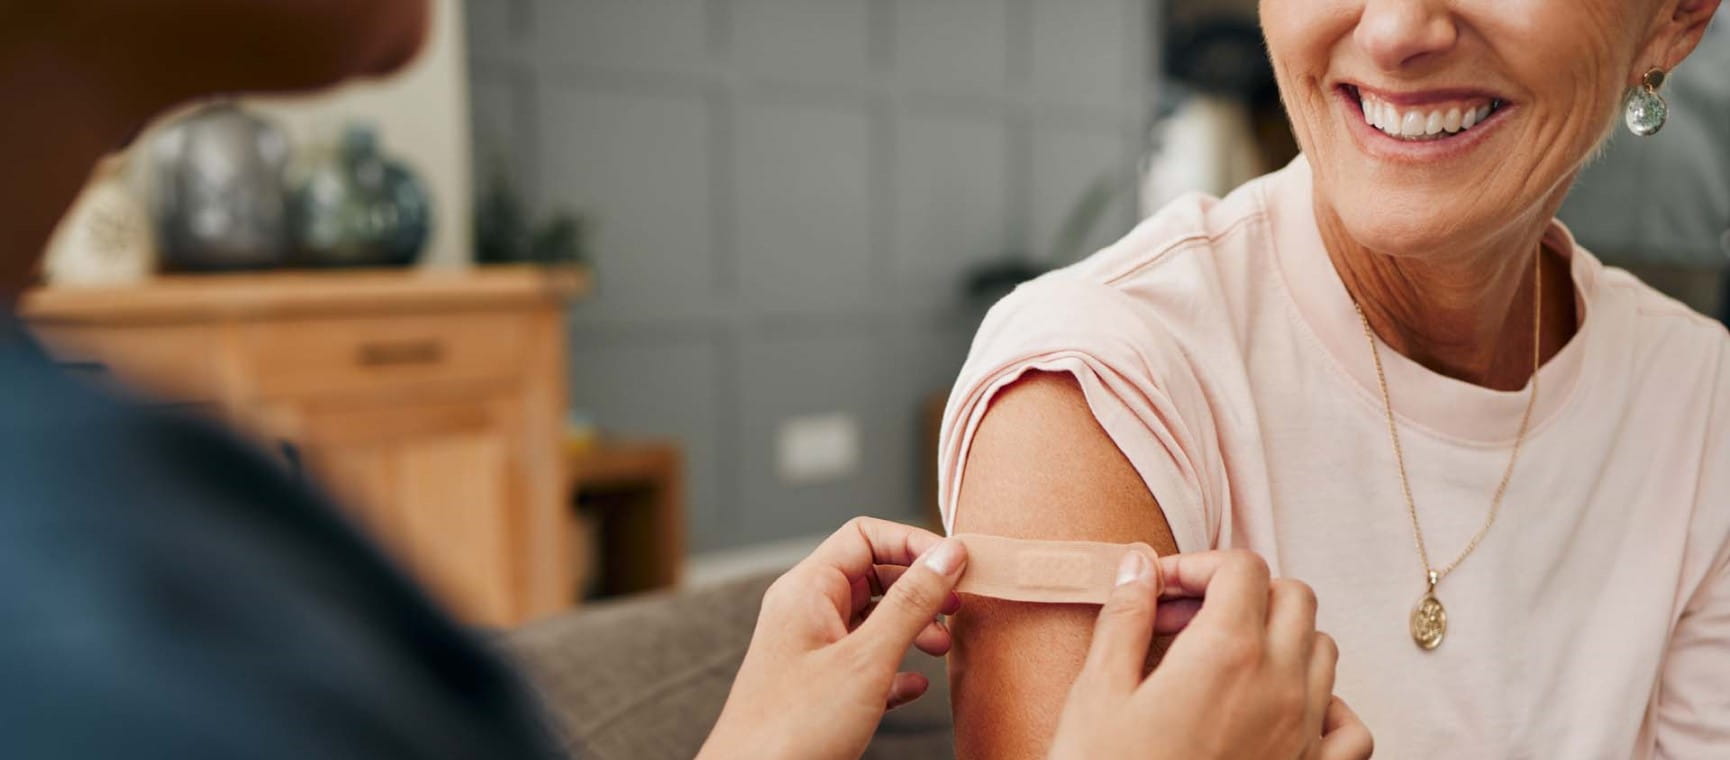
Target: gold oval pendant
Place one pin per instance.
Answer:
(1429, 622)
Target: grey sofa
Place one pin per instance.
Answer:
(645, 678)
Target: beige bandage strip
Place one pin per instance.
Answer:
(1052, 572)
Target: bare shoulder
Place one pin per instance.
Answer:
(1040, 466)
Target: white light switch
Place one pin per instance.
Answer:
(817, 448)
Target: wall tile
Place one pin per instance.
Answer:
(802, 39)
(637, 167)
(491, 27)
(786, 376)
(665, 387)
(494, 128)
(803, 207)
(957, 45)
(1066, 162)
(952, 203)
(652, 35)
(755, 171)
(925, 354)
(1080, 50)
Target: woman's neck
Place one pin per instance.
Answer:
(1467, 315)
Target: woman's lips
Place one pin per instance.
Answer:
(1424, 122)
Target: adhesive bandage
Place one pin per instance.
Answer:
(1052, 572)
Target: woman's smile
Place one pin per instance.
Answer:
(1420, 125)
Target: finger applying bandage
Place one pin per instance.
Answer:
(1052, 572)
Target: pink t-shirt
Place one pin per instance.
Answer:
(1219, 350)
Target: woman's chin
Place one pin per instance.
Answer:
(1407, 237)
(1393, 220)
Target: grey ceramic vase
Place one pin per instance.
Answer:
(217, 191)
(355, 208)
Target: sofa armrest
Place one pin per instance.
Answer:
(645, 678)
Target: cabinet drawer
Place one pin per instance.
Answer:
(360, 354)
(174, 362)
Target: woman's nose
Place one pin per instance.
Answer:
(1399, 34)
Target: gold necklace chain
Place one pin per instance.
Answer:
(1429, 620)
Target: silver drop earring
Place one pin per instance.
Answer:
(1646, 110)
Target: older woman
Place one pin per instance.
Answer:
(1502, 466)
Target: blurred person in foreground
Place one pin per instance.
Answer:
(168, 592)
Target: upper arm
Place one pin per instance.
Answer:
(1039, 466)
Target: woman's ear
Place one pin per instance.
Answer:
(1677, 34)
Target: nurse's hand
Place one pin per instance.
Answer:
(1248, 676)
(821, 668)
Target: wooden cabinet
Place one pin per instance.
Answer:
(431, 403)
(631, 497)
(434, 479)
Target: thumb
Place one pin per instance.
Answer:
(913, 601)
(1124, 630)
(1344, 736)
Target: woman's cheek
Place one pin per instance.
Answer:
(1299, 44)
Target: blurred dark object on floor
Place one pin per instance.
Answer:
(357, 208)
(216, 179)
(644, 679)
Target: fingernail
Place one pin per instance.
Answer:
(1134, 567)
(945, 558)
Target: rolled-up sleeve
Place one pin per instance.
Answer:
(1145, 397)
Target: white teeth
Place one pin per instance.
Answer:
(1412, 125)
(1418, 123)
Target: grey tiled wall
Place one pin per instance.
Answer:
(784, 197)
